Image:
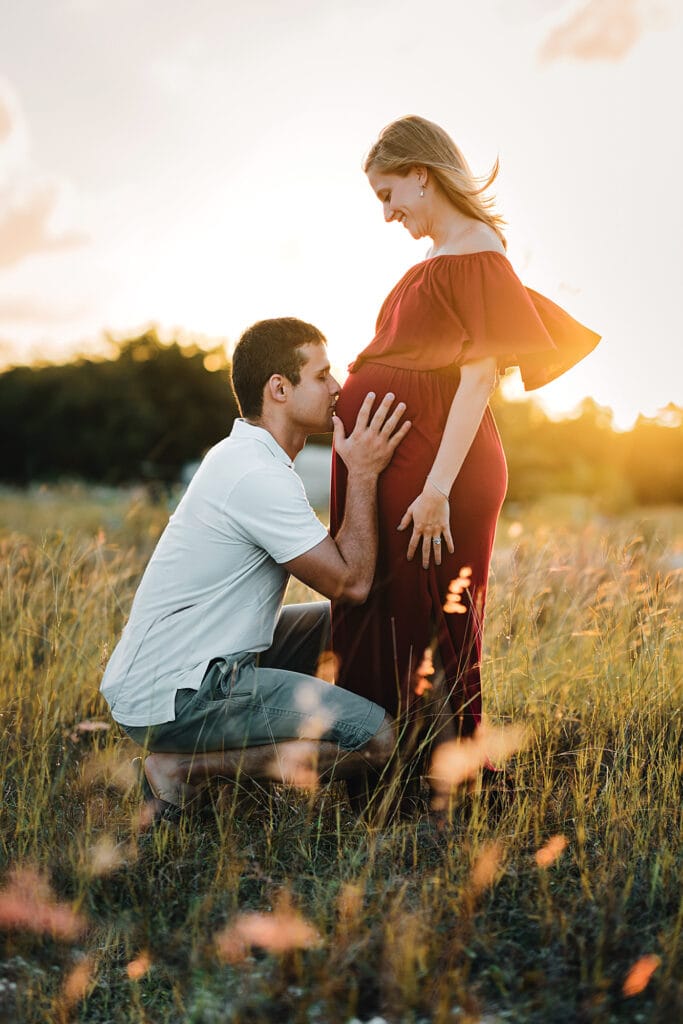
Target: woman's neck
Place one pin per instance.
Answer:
(451, 233)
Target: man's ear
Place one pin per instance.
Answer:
(277, 387)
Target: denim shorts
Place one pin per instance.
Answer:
(249, 700)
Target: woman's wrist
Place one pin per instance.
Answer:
(437, 487)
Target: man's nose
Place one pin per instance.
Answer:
(388, 213)
(335, 387)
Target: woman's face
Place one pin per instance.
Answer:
(400, 198)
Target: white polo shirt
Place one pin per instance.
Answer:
(214, 585)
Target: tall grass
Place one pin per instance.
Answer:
(277, 904)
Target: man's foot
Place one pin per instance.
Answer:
(156, 809)
(164, 790)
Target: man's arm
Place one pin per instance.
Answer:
(343, 568)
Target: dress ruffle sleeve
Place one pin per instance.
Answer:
(451, 310)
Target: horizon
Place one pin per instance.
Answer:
(510, 386)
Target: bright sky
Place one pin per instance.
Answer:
(198, 166)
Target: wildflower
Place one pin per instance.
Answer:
(551, 851)
(456, 761)
(349, 901)
(318, 720)
(109, 767)
(105, 856)
(28, 902)
(456, 587)
(639, 975)
(296, 765)
(486, 866)
(279, 931)
(425, 669)
(87, 726)
(144, 817)
(77, 981)
(139, 967)
(327, 667)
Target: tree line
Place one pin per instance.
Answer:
(153, 407)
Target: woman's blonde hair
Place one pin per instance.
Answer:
(415, 142)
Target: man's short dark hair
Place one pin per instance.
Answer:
(268, 347)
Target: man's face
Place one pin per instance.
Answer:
(313, 399)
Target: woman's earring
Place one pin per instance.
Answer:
(422, 192)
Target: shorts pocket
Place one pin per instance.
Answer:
(228, 679)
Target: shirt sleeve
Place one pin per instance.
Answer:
(502, 318)
(271, 510)
(452, 310)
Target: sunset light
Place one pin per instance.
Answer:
(200, 171)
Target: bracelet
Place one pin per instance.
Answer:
(436, 487)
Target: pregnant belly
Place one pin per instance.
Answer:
(482, 480)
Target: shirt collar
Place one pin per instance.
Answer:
(242, 429)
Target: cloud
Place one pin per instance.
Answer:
(5, 120)
(25, 228)
(604, 29)
(30, 202)
(13, 133)
(27, 309)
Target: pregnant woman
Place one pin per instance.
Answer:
(446, 329)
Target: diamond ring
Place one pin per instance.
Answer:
(436, 541)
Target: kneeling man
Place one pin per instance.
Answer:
(211, 675)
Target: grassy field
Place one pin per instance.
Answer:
(278, 905)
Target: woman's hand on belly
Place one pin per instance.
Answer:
(430, 516)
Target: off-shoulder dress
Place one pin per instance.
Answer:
(444, 312)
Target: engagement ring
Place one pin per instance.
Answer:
(436, 540)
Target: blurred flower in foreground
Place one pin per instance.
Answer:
(454, 603)
(425, 669)
(640, 974)
(138, 967)
(350, 902)
(327, 667)
(77, 981)
(276, 932)
(109, 767)
(318, 720)
(296, 764)
(144, 817)
(551, 851)
(28, 902)
(457, 761)
(106, 856)
(88, 726)
(485, 867)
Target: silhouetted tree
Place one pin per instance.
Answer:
(143, 414)
(155, 407)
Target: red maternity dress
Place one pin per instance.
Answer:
(444, 312)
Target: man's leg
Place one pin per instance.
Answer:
(262, 719)
(302, 634)
(176, 778)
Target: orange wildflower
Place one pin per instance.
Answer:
(638, 977)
